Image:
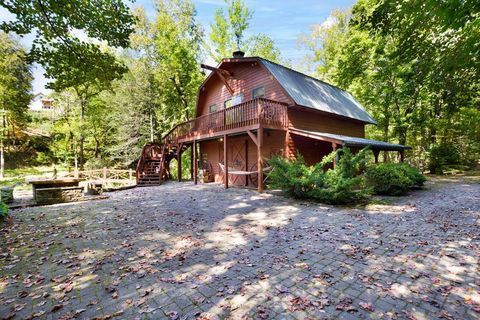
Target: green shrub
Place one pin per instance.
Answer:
(417, 178)
(441, 156)
(294, 177)
(344, 184)
(341, 185)
(3, 211)
(393, 178)
(43, 158)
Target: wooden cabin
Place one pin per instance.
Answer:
(250, 109)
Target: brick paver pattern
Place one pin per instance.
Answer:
(180, 251)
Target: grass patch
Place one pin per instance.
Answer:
(17, 177)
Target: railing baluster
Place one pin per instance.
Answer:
(248, 113)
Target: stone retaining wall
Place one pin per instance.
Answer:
(58, 195)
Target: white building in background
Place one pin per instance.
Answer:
(40, 102)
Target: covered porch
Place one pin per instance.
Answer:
(330, 142)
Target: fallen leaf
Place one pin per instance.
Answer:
(57, 307)
(367, 306)
(173, 315)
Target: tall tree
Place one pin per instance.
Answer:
(178, 38)
(413, 66)
(15, 85)
(325, 42)
(59, 27)
(228, 34)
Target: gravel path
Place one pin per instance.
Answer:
(180, 251)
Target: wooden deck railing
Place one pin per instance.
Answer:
(249, 113)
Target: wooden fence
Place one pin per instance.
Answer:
(103, 175)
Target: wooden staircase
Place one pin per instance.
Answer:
(150, 166)
(154, 164)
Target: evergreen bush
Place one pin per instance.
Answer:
(393, 178)
(342, 185)
(442, 156)
(3, 211)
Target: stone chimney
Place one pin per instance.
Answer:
(239, 54)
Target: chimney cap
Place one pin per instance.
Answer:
(238, 54)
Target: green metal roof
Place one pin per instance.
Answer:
(316, 94)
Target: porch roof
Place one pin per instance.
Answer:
(348, 141)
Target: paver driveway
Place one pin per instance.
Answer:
(183, 251)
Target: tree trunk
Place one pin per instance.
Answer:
(386, 133)
(97, 147)
(151, 126)
(81, 139)
(2, 149)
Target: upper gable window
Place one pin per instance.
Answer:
(213, 108)
(227, 103)
(258, 92)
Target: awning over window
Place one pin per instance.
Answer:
(348, 141)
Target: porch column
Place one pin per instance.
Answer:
(287, 145)
(260, 158)
(334, 147)
(375, 154)
(225, 160)
(402, 155)
(195, 166)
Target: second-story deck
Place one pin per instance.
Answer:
(249, 115)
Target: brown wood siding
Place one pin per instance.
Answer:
(212, 152)
(302, 118)
(246, 77)
(312, 150)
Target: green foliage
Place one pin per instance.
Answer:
(228, 34)
(411, 65)
(442, 155)
(324, 42)
(43, 158)
(15, 80)
(345, 183)
(109, 124)
(57, 26)
(393, 178)
(15, 85)
(228, 30)
(342, 185)
(177, 37)
(3, 211)
(294, 177)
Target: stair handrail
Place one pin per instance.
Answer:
(140, 163)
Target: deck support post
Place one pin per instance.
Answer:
(179, 164)
(375, 154)
(191, 161)
(401, 154)
(225, 160)
(246, 161)
(260, 158)
(195, 166)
